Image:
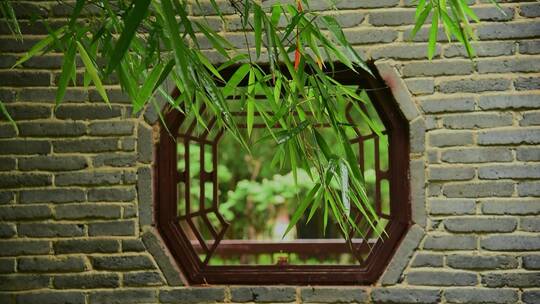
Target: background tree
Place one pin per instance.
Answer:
(143, 43)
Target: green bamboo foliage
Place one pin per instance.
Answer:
(146, 42)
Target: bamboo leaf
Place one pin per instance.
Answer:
(302, 207)
(40, 46)
(235, 79)
(422, 16)
(250, 102)
(257, 19)
(68, 70)
(133, 21)
(92, 71)
(433, 34)
(148, 87)
(7, 116)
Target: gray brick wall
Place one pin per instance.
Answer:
(75, 183)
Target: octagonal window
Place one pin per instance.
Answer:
(223, 211)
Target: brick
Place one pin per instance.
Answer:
(132, 262)
(51, 297)
(478, 224)
(147, 278)
(403, 51)
(7, 265)
(7, 230)
(477, 295)
(474, 85)
(428, 260)
(528, 153)
(441, 278)
(109, 128)
(506, 101)
(530, 224)
(36, 212)
(19, 247)
(23, 282)
(508, 30)
(510, 243)
(134, 296)
(86, 246)
(6, 198)
(144, 144)
(132, 246)
(478, 189)
(529, 10)
(51, 62)
(509, 136)
(117, 228)
(86, 145)
(51, 196)
(515, 171)
(530, 119)
(450, 138)
(419, 86)
(452, 206)
(530, 296)
(89, 178)
(51, 264)
(391, 17)
(114, 160)
(90, 211)
(478, 262)
(500, 65)
(477, 155)
(7, 131)
(364, 36)
(529, 47)
(511, 206)
(531, 261)
(531, 188)
(144, 190)
(514, 279)
(403, 255)
(52, 163)
(50, 230)
(477, 120)
(263, 294)
(87, 112)
(494, 13)
(86, 281)
(25, 180)
(438, 68)
(440, 173)
(14, 78)
(450, 242)
(333, 295)
(28, 112)
(527, 83)
(7, 164)
(482, 49)
(48, 95)
(155, 247)
(447, 104)
(192, 295)
(127, 144)
(52, 129)
(26, 147)
(423, 34)
(405, 295)
(111, 195)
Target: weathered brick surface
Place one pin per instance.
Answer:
(76, 195)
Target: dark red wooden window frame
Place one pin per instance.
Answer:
(165, 171)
